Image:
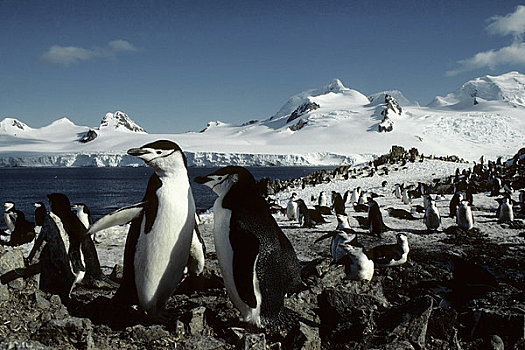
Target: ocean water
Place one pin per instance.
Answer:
(104, 190)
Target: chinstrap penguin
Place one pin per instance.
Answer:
(40, 215)
(291, 208)
(160, 235)
(432, 217)
(84, 216)
(376, 225)
(464, 218)
(258, 263)
(358, 266)
(505, 210)
(390, 254)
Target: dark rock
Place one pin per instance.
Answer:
(408, 321)
(504, 323)
(89, 136)
(195, 323)
(442, 323)
(12, 260)
(299, 125)
(73, 331)
(12, 344)
(493, 342)
(200, 342)
(40, 301)
(4, 292)
(116, 274)
(302, 109)
(147, 334)
(303, 337)
(254, 342)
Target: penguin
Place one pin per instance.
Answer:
(339, 237)
(10, 215)
(20, 231)
(375, 219)
(291, 208)
(160, 235)
(338, 203)
(358, 266)
(426, 200)
(342, 222)
(53, 264)
(454, 202)
(362, 197)
(432, 217)
(258, 263)
(40, 215)
(356, 193)
(82, 255)
(505, 211)
(323, 200)
(397, 191)
(464, 217)
(390, 254)
(303, 214)
(84, 215)
(406, 197)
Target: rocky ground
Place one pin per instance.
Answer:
(427, 303)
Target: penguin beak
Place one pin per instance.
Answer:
(137, 152)
(202, 179)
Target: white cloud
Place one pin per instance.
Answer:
(513, 54)
(510, 24)
(121, 45)
(67, 55)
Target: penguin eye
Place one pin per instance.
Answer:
(159, 152)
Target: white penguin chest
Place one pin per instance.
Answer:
(165, 248)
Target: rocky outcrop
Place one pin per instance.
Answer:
(89, 136)
(302, 109)
(120, 121)
(391, 107)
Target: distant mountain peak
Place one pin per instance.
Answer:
(508, 88)
(121, 122)
(335, 86)
(12, 126)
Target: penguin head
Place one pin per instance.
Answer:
(402, 238)
(163, 156)
(9, 205)
(222, 180)
(294, 196)
(59, 203)
(79, 207)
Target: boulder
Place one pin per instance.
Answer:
(72, 331)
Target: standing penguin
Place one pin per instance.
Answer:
(432, 217)
(454, 202)
(84, 215)
(40, 215)
(375, 219)
(258, 263)
(406, 197)
(160, 235)
(464, 217)
(356, 193)
(323, 200)
(338, 203)
(505, 210)
(291, 208)
(522, 201)
(10, 215)
(397, 191)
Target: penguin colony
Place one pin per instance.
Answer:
(258, 263)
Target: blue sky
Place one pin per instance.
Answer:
(174, 65)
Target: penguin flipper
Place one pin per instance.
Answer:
(245, 251)
(119, 217)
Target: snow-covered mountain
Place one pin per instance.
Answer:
(332, 125)
(508, 88)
